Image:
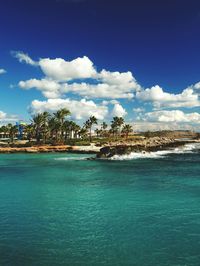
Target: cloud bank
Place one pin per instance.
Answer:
(6, 118)
(79, 86)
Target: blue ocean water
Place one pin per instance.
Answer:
(60, 209)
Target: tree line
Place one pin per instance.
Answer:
(57, 128)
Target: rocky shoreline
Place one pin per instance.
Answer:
(49, 148)
(107, 151)
(153, 145)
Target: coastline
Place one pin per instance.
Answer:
(152, 145)
(50, 148)
(108, 150)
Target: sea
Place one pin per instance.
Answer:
(138, 209)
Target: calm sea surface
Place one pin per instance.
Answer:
(59, 209)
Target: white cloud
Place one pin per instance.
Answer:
(172, 116)
(125, 79)
(2, 71)
(139, 110)
(2, 115)
(105, 102)
(161, 99)
(49, 88)
(63, 79)
(24, 58)
(113, 101)
(158, 126)
(60, 69)
(52, 89)
(113, 85)
(101, 90)
(196, 86)
(79, 109)
(118, 110)
(5, 118)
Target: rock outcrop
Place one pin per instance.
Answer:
(150, 146)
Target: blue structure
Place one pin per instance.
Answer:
(20, 125)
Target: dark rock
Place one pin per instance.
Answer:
(110, 151)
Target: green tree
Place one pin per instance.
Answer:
(38, 121)
(89, 123)
(45, 125)
(61, 115)
(116, 125)
(54, 128)
(104, 126)
(29, 131)
(127, 129)
(83, 133)
(74, 128)
(5, 130)
(13, 130)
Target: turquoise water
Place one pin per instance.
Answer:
(56, 209)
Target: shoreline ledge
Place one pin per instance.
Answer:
(49, 148)
(107, 151)
(151, 146)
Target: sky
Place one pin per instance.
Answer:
(137, 59)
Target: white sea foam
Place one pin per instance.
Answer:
(71, 158)
(188, 148)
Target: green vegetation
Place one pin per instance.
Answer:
(56, 128)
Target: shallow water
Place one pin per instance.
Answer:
(60, 209)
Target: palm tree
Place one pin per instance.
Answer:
(89, 123)
(38, 121)
(54, 127)
(29, 131)
(13, 130)
(98, 132)
(83, 132)
(5, 131)
(60, 115)
(66, 129)
(116, 124)
(45, 127)
(127, 129)
(74, 129)
(103, 128)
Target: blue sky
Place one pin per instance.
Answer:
(137, 59)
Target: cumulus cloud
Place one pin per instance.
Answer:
(157, 126)
(5, 118)
(2, 71)
(119, 78)
(79, 109)
(49, 88)
(101, 90)
(172, 116)
(105, 84)
(161, 99)
(60, 69)
(118, 110)
(196, 86)
(63, 79)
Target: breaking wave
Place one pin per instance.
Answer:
(71, 159)
(188, 148)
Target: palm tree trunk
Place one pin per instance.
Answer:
(37, 136)
(90, 134)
